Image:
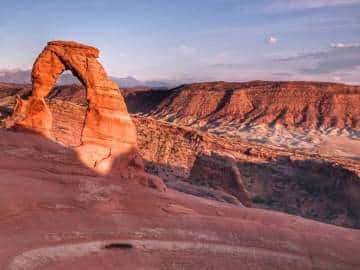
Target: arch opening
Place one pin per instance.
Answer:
(67, 102)
(68, 87)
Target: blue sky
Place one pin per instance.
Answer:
(194, 40)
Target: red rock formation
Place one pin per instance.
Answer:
(293, 104)
(323, 187)
(57, 214)
(319, 187)
(108, 136)
(220, 173)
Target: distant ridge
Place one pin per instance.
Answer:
(306, 105)
(24, 77)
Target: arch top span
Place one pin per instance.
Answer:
(59, 56)
(89, 50)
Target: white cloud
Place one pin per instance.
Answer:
(337, 79)
(221, 56)
(339, 57)
(272, 40)
(309, 4)
(344, 45)
(185, 49)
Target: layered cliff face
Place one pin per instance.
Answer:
(320, 186)
(297, 115)
(292, 104)
(296, 182)
(314, 173)
(304, 105)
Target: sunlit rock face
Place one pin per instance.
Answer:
(108, 138)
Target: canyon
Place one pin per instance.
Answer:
(296, 144)
(285, 114)
(320, 182)
(193, 177)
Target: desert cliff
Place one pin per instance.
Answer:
(59, 210)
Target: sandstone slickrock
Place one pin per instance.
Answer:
(108, 137)
(56, 214)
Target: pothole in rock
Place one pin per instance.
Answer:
(113, 246)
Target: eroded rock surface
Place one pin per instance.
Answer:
(219, 172)
(107, 140)
(308, 105)
(57, 214)
(313, 185)
(296, 115)
(324, 188)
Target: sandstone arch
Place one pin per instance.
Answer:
(107, 116)
(108, 139)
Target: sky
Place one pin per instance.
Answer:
(204, 40)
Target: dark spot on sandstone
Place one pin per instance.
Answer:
(118, 246)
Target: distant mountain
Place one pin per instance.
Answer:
(24, 77)
(15, 76)
(128, 82)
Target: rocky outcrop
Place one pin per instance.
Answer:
(324, 188)
(220, 173)
(57, 214)
(306, 105)
(107, 140)
(144, 101)
(321, 187)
